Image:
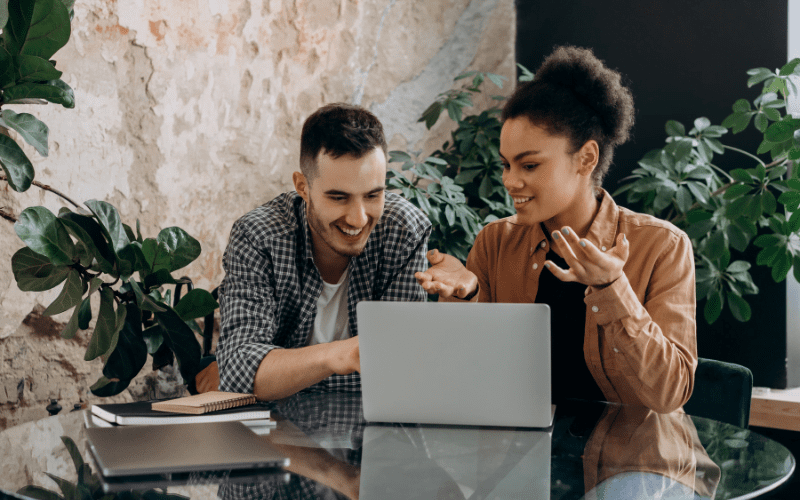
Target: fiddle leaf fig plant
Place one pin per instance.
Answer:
(33, 31)
(756, 204)
(93, 252)
(90, 251)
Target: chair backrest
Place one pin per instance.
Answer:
(722, 391)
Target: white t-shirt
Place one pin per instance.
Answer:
(332, 321)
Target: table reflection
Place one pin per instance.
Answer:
(593, 451)
(598, 451)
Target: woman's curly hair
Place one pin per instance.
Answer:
(574, 94)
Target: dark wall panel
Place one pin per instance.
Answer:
(682, 59)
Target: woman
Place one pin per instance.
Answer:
(620, 284)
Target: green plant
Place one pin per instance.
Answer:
(90, 251)
(87, 486)
(459, 187)
(722, 210)
(33, 31)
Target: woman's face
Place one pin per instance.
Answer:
(547, 182)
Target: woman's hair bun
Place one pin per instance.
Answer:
(595, 85)
(574, 94)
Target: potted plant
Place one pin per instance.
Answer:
(89, 249)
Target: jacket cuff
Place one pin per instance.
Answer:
(612, 303)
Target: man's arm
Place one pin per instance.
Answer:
(284, 372)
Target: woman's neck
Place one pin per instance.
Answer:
(579, 216)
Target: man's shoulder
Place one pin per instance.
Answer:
(275, 219)
(399, 213)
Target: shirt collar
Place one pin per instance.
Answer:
(307, 241)
(602, 231)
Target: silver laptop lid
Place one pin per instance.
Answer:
(162, 449)
(455, 363)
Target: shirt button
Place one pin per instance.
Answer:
(535, 267)
(544, 244)
(595, 308)
(603, 248)
(616, 350)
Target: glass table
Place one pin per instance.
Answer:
(593, 451)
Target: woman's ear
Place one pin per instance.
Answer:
(588, 156)
(300, 185)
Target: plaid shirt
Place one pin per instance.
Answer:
(269, 296)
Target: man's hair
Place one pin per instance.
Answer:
(337, 130)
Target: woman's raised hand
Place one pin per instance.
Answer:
(587, 263)
(447, 276)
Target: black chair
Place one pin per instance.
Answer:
(722, 391)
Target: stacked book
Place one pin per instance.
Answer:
(211, 406)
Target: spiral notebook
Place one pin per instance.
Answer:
(205, 402)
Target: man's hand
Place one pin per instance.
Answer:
(344, 356)
(207, 379)
(587, 263)
(447, 276)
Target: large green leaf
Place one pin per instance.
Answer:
(197, 304)
(48, 29)
(34, 272)
(7, 73)
(739, 307)
(16, 165)
(20, 16)
(34, 131)
(74, 452)
(35, 69)
(144, 301)
(55, 91)
(105, 328)
(89, 231)
(70, 295)
(39, 493)
(84, 314)
(184, 248)
(130, 353)
(44, 234)
(71, 327)
(109, 219)
(181, 340)
(3, 13)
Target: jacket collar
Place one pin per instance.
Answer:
(602, 231)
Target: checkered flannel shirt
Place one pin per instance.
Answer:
(268, 298)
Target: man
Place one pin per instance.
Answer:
(297, 266)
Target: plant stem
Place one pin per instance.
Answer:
(46, 188)
(7, 215)
(697, 204)
(721, 171)
(756, 158)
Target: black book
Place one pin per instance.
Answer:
(141, 413)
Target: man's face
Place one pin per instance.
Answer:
(345, 201)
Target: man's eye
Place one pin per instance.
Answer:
(337, 198)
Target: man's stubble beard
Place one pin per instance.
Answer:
(325, 233)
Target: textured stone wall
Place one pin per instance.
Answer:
(189, 113)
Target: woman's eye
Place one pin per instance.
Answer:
(506, 166)
(530, 166)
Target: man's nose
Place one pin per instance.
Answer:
(356, 215)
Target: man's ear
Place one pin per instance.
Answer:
(301, 185)
(588, 156)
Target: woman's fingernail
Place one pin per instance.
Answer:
(624, 238)
(583, 243)
(556, 236)
(565, 231)
(547, 266)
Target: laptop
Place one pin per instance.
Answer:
(455, 363)
(126, 451)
